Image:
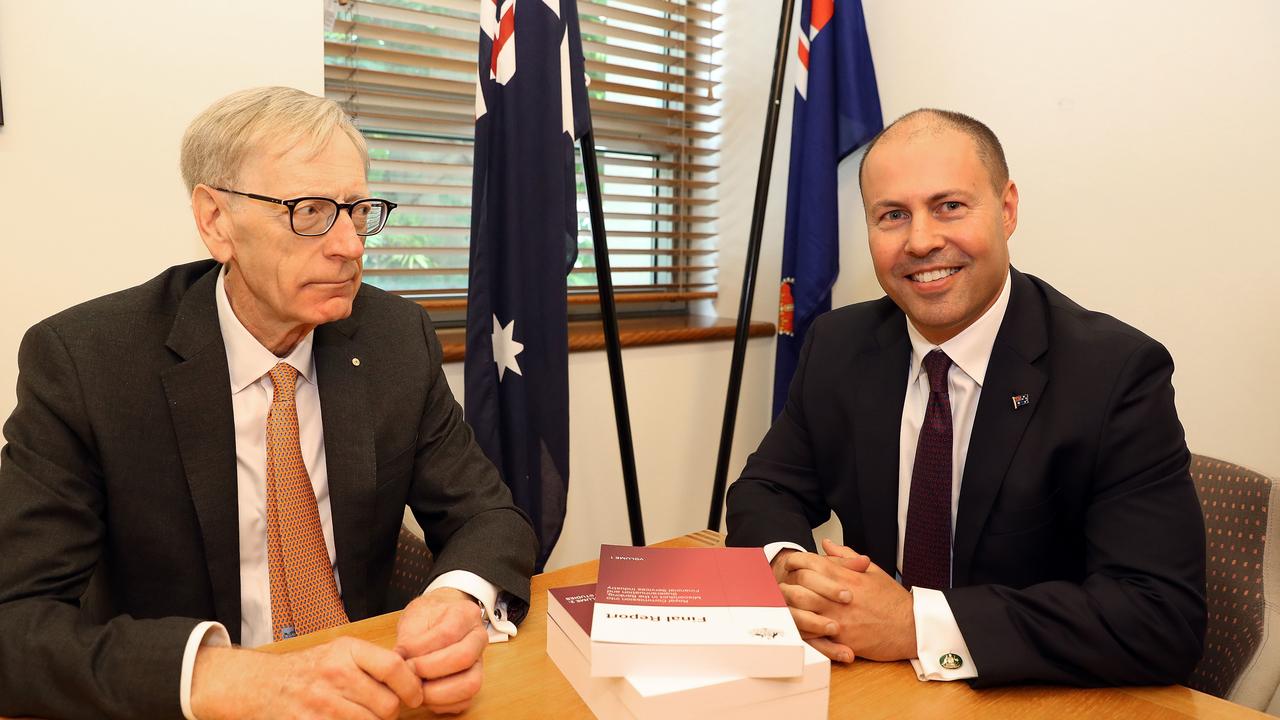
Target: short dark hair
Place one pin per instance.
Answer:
(990, 152)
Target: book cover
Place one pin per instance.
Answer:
(691, 611)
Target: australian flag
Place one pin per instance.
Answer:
(531, 105)
(837, 110)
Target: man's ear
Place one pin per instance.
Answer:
(213, 221)
(1009, 209)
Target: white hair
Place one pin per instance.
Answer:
(218, 140)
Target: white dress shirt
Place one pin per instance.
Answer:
(252, 391)
(936, 631)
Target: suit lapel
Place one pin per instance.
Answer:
(349, 455)
(197, 389)
(998, 426)
(882, 387)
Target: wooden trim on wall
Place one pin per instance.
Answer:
(584, 299)
(587, 335)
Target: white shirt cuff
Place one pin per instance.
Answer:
(941, 652)
(496, 621)
(206, 633)
(772, 549)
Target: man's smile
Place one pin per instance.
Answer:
(937, 278)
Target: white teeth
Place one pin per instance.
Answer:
(932, 275)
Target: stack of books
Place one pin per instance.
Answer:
(685, 632)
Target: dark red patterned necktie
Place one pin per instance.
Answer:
(926, 550)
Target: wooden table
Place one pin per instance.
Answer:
(522, 682)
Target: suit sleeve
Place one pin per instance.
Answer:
(1138, 617)
(461, 502)
(779, 495)
(55, 661)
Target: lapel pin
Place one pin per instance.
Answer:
(355, 361)
(1019, 401)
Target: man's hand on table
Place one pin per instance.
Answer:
(344, 678)
(443, 639)
(845, 606)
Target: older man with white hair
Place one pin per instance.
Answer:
(220, 458)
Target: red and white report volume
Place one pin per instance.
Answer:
(677, 697)
(702, 611)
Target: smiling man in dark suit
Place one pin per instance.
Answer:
(1008, 467)
(224, 454)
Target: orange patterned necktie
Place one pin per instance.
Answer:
(304, 595)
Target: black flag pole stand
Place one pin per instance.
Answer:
(753, 263)
(613, 346)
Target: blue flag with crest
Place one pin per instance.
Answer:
(531, 105)
(837, 110)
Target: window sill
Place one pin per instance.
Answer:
(587, 335)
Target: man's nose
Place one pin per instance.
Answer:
(342, 239)
(924, 237)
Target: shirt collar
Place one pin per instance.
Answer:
(247, 359)
(971, 349)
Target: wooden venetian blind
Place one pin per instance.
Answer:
(406, 72)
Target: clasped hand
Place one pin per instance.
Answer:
(436, 663)
(442, 637)
(845, 606)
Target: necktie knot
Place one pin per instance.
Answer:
(936, 363)
(285, 378)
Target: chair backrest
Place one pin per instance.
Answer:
(1241, 659)
(410, 571)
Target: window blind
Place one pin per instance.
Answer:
(405, 71)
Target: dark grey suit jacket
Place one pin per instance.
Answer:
(1079, 545)
(120, 467)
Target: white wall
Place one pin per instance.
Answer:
(1143, 138)
(96, 96)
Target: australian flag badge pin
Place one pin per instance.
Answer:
(1021, 401)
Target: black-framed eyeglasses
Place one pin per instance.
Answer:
(313, 216)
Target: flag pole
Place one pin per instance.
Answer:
(613, 346)
(753, 263)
